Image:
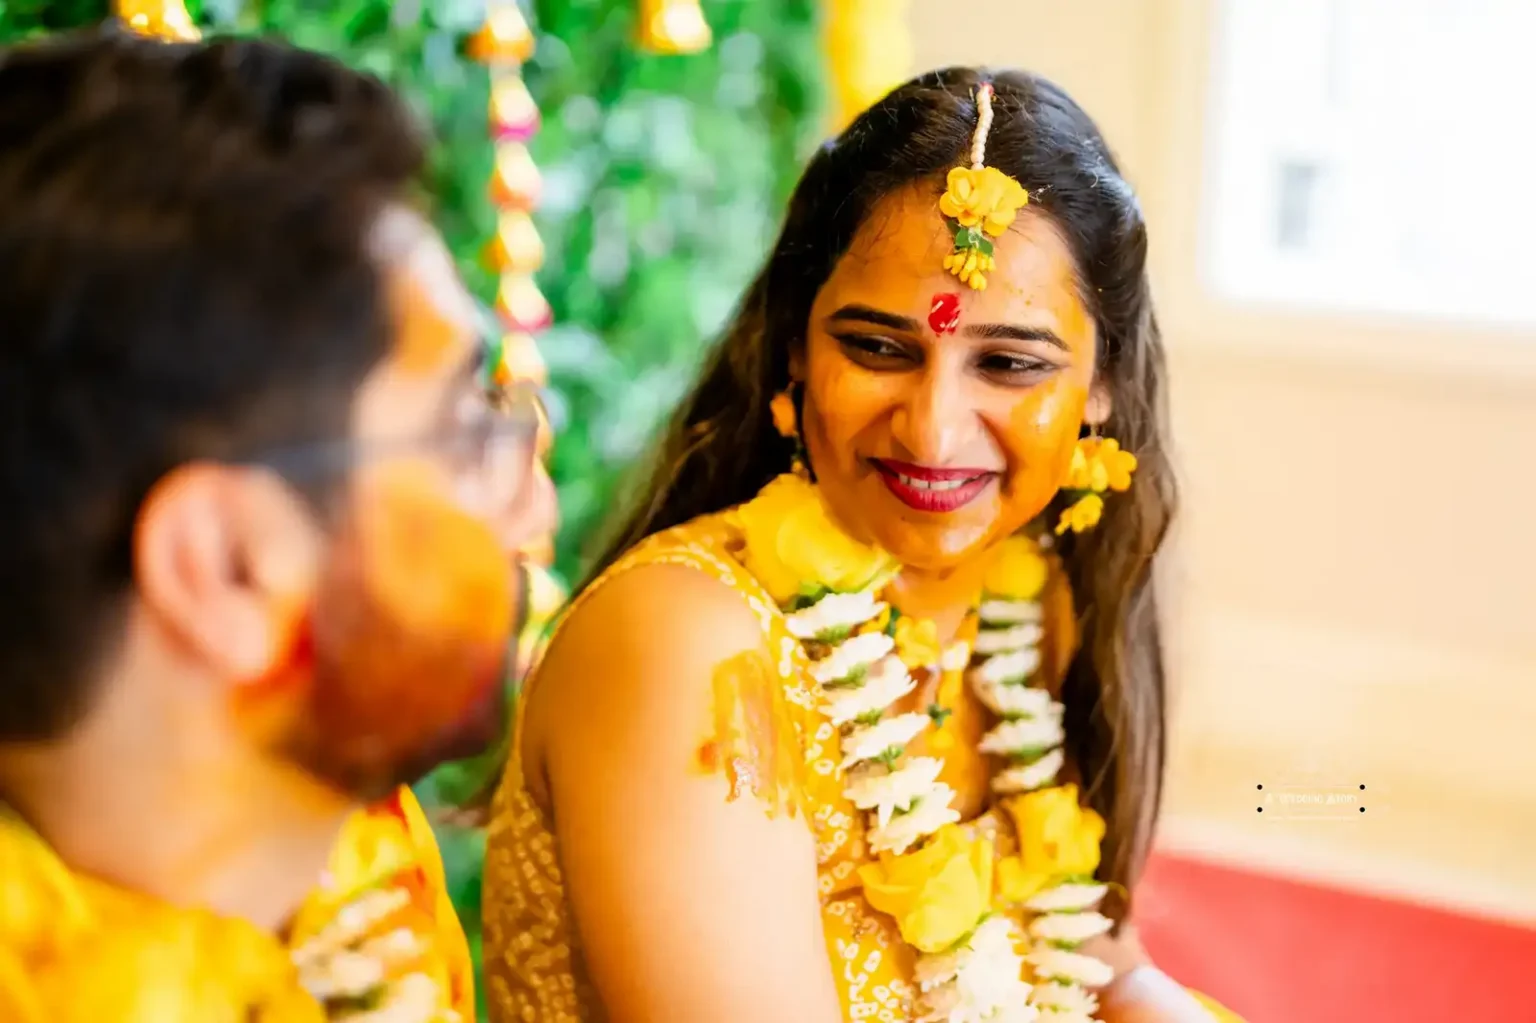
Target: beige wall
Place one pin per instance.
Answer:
(1355, 574)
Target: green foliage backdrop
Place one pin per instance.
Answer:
(664, 178)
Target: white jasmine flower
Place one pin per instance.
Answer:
(1063, 1016)
(398, 946)
(1028, 734)
(931, 971)
(1010, 612)
(943, 1005)
(983, 982)
(885, 792)
(1028, 777)
(887, 682)
(930, 813)
(1015, 701)
(1067, 898)
(1016, 1012)
(996, 641)
(956, 656)
(834, 611)
(1064, 998)
(1059, 964)
(947, 1005)
(870, 742)
(1012, 666)
(343, 975)
(850, 654)
(353, 921)
(412, 999)
(1069, 928)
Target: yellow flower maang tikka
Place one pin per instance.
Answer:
(979, 204)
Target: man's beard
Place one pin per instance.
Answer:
(348, 749)
(406, 651)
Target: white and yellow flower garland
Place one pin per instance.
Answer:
(937, 881)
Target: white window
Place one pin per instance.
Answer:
(1375, 156)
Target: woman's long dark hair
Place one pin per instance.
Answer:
(721, 447)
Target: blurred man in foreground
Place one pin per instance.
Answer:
(253, 571)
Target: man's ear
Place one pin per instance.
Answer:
(221, 555)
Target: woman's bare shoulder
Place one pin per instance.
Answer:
(638, 658)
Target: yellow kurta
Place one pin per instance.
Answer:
(77, 950)
(533, 961)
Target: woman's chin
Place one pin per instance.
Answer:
(935, 547)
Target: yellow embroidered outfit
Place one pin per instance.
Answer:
(76, 949)
(533, 968)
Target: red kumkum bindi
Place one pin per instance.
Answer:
(944, 313)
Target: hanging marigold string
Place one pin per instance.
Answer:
(516, 253)
(158, 19)
(672, 26)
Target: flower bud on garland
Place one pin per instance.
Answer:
(672, 26)
(160, 19)
(515, 252)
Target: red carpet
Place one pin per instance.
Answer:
(1278, 951)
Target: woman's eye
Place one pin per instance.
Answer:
(1011, 366)
(871, 349)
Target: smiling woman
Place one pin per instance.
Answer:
(935, 446)
(861, 501)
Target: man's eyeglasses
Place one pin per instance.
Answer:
(488, 445)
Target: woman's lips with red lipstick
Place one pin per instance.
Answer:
(932, 490)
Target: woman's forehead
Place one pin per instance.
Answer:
(896, 262)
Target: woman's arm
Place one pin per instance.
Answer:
(690, 905)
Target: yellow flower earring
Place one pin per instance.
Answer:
(785, 410)
(1099, 465)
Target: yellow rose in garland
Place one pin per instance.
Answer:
(1058, 839)
(792, 544)
(938, 894)
(917, 642)
(1017, 571)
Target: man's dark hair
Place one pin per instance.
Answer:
(184, 274)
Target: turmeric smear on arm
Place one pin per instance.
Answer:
(753, 742)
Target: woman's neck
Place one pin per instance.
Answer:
(944, 596)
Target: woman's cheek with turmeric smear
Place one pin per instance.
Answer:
(849, 404)
(1040, 432)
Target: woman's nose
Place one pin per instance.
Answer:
(934, 421)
